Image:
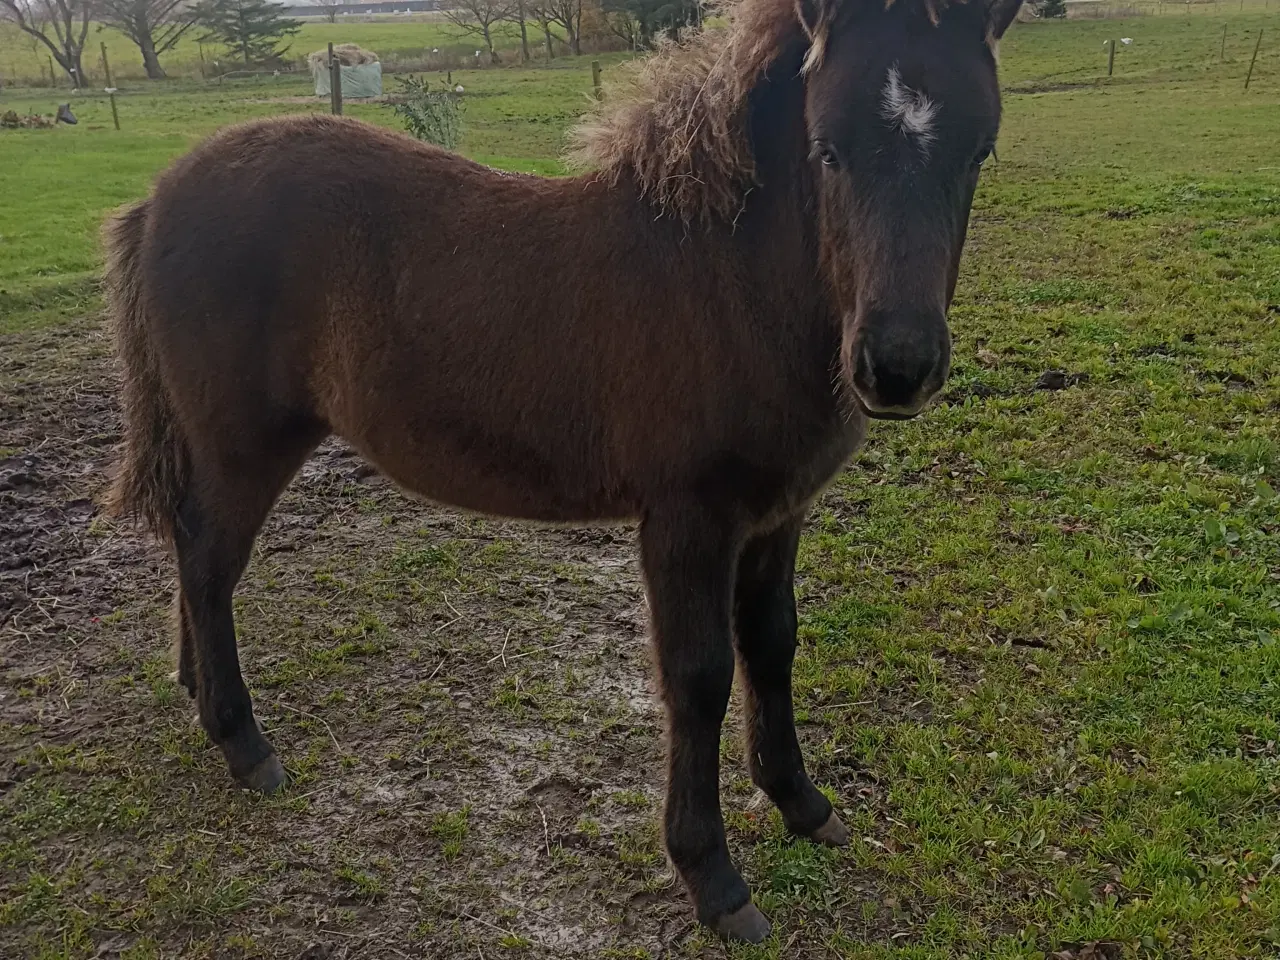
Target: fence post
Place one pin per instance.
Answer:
(595, 77)
(1222, 54)
(335, 84)
(111, 90)
(1111, 57)
(1249, 75)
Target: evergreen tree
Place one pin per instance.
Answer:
(252, 28)
(155, 26)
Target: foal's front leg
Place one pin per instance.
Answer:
(689, 556)
(765, 627)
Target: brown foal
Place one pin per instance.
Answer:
(692, 334)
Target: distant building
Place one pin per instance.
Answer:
(364, 9)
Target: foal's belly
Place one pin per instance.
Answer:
(576, 471)
(482, 492)
(497, 478)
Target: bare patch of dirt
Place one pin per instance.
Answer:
(465, 707)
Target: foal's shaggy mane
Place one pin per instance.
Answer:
(677, 123)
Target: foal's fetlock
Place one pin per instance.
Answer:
(186, 681)
(806, 812)
(817, 821)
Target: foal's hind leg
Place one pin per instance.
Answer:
(185, 645)
(765, 625)
(688, 557)
(225, 506)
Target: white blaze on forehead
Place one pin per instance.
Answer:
(909, 110)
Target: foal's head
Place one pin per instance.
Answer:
(901, 109)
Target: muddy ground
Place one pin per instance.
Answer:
(465, 707)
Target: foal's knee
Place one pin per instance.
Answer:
(767, 619)
(697, 693)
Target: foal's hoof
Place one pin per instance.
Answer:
(746, 924)
(833, 833)
(267, 777)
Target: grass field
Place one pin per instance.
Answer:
(393, 38)
(1041, 658)
(57, 184)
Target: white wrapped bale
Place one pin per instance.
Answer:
(361, 71)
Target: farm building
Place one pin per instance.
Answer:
(365, 9)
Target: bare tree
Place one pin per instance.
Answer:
(625, 26)
(153, 25)
(478, 17)
(66, 20)
(540, 10)
(567, 14)
(330, 8)
(520, 13)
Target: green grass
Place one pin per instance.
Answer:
(1041, 628)
(58, 184)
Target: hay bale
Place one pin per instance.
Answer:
(347, 54)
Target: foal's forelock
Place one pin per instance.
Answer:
(818, 16)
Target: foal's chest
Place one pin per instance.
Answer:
(815, 466)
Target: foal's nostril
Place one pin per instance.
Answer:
(902, 361)
(864, 373)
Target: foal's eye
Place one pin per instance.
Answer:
(981, 156)
(822, 150)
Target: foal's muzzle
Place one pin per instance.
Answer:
(900, 361)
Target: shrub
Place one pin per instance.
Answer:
(431, 115)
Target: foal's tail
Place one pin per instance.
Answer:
(151, 477)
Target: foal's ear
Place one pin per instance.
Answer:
(815, 18)
(1000, 13)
